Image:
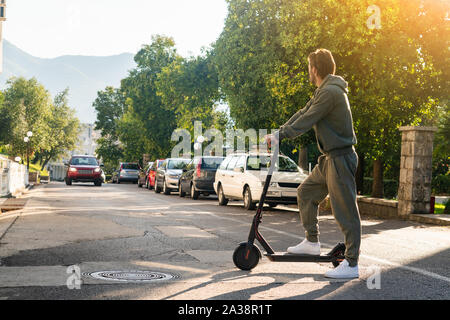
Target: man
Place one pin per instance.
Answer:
(328, 112)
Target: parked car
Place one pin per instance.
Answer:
(84, 169)
(143, 175)
(199, 176)
(151, 178)
(127, 171)
(242, 176)
(168, 175)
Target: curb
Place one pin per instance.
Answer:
(438, 220)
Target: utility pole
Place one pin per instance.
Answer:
(2, 18)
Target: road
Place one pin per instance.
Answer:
(123, 228)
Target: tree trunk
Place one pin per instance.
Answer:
(47, 159)
(303, 158)
(377, 187)
(44, 164)
(360, 175)
(36, 159)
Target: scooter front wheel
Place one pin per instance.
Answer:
(246, 258)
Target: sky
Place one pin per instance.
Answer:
(51, 28)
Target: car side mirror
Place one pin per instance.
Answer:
(102, 165)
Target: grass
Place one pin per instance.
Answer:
(37, 167)
(439, 208)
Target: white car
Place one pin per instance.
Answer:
(241, 176)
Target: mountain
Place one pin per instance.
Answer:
(84, 75)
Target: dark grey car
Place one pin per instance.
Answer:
(126, 172)
(199, 176)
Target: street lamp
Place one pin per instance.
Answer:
(27, 141)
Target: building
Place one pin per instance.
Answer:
(87, 141)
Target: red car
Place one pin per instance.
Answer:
(84, 169)
(152, 174)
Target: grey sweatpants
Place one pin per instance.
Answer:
(333, 175)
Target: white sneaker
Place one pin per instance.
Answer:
(343, 271)
(306, 247)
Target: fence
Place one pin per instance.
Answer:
(13, 177)
(57, 171)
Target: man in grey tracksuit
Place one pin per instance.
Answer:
(329, 113)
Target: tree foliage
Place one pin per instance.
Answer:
(27, 106)
(398, 74)
(63, 129)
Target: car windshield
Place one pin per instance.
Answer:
(178, 164)
(257, 163)
(211, 163)
(84, 162)
(130, 166)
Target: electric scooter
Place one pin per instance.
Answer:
(247, 255)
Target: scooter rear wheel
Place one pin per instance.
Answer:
(246, 259)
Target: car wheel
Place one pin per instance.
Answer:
(248, 200)
(166, 190)
(68, 182)
(157, 188)
(182, 193)
(194, 194)
(222, 200)
(272, 204)
(98, 183)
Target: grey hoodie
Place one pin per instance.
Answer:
(328, 112)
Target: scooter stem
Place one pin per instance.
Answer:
(254, 232)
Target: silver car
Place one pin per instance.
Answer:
(126, 172)
(168, 175)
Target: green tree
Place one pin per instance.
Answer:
(252, 64)
(190, 89)
(27, 106)
(145, 110)
(109, 106)
(392, 71)
(63, 128)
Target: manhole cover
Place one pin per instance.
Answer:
(131, 276)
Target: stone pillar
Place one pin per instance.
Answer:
(414, 191)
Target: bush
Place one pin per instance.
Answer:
(441, 184)
(390, 187)
(447, 207)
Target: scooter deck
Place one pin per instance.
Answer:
(287, 257)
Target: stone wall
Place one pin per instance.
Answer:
(380, 208)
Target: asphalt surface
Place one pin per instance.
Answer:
(123, 228)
